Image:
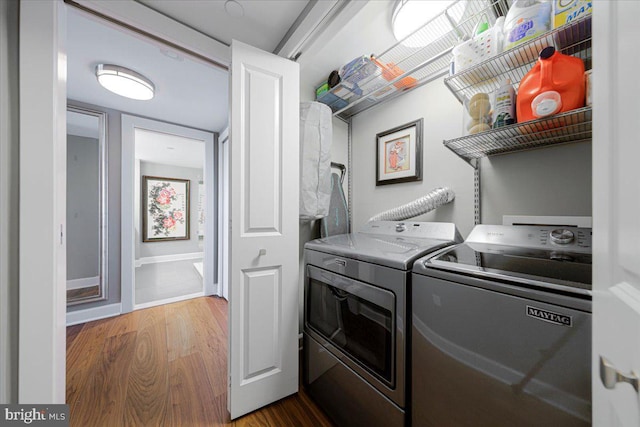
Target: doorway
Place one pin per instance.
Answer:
(173, 136)
(174, 237)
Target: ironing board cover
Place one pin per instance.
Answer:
(337, 222)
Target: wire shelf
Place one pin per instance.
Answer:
(402, 68)
(572, 126)
(571, 39)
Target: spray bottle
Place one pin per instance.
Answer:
(504, 110)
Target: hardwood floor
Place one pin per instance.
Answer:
(164, 366)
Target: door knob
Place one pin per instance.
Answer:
(262, 252)
(610, 376)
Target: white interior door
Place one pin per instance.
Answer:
(263, 288)
(616, 195)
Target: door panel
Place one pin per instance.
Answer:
(616, 211)
(260, 294)
(263, 290)
(262, 207)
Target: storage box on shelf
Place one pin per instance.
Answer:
(418, 59)
(571, 39)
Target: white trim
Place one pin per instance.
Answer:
(148, 20)
(91, 314)
(223, 215)
(168, 258)
(168, 300)
(209, 278)
(43, 299)
(9, 169)
(83, 282)
(128, 201)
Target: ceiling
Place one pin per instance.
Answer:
(194, 93)
(188, 92)
(264, 24)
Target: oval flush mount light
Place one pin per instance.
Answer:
(125, 82)
(409, 15)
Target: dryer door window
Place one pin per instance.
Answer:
(355, 317)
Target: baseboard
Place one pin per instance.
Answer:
(96, 313)
(85, 282)
(168, 258)
(168, 300)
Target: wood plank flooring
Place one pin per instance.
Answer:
(164, 366)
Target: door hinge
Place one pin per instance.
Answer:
(61, 235)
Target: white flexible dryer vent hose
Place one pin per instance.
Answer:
(434, 199)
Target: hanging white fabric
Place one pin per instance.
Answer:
(316, 132)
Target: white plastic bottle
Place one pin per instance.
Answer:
(525, 20)
(504, 110)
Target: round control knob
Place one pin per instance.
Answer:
(400, 227)
(561, 236)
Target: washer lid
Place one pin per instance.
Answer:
(552, 269)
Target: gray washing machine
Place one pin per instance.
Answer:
(357, 295)
(501, 330)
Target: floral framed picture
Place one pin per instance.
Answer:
(165, 209)
(399, 154)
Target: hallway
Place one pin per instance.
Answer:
(163, 366)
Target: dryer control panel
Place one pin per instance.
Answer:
(415, 229)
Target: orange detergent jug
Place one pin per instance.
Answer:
(554, 85)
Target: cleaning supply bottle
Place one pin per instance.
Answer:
(526, 20)
(555, 84)
(504, 107)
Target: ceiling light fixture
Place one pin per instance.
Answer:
(409, 15)
(125, 82)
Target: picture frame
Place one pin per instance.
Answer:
(399, 154)
(165, 209)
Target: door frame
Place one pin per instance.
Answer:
(129, 199)
(43, 98)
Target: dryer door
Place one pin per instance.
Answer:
(356, 318)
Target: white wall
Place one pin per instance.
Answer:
(9, 185)
(442, 115)
(548, 181)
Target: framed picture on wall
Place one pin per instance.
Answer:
(165, 209)
(399, 154)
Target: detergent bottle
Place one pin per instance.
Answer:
(526, 20)
(554, 85)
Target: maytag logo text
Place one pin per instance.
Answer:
(549, 316)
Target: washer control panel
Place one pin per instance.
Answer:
(555, 238)
(561, 236)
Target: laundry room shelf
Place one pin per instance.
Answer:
(570, 39)
(414, 61)
(572, 126)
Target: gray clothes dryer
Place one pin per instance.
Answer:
(357, 295)
(501, 330)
